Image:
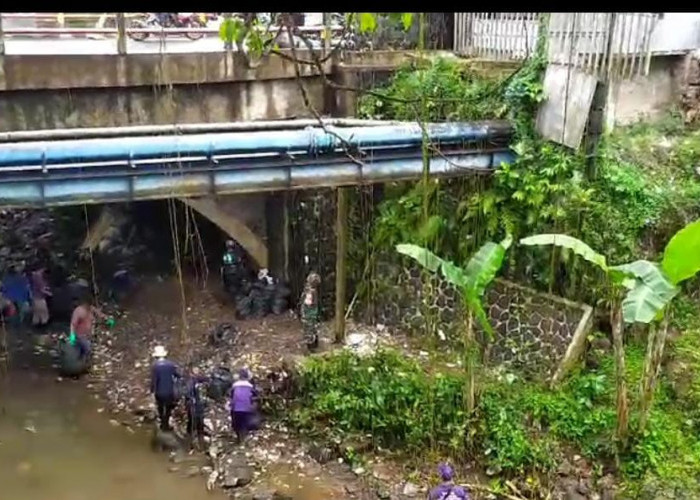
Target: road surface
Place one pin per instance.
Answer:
(82, 46)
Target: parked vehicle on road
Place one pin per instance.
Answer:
(171, 20)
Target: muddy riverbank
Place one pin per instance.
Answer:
(274, 461)
(58, 441)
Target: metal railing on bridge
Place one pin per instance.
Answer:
(109, 26)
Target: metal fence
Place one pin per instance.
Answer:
(499, 36)
(608, 45)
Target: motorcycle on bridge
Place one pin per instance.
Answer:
(170, 20)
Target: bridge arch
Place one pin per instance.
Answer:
(226, 214)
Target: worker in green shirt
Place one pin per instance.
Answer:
(230, 268)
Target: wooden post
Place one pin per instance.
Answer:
(285, 236)
(340, 267)
(121, 33)
(326, 33)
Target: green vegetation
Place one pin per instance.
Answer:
(472, 282)
(520, 428)
(626, 201)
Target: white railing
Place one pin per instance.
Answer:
(609, 45)
(499, 36)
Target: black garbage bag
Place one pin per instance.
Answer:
(166, 441)
(244, 308)
(220, 383)
(279, 305)
(222, 332)
(70, 363)
(180, 389)
(259, 303)
(282, 291)
(120, 285)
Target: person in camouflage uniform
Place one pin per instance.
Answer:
(230, 272)
(309, 313)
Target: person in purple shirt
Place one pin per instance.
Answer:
(447, 490)
(243, 410)
(163, 376)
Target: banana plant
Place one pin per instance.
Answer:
(648, 292)
(471, 281)
(681, 261)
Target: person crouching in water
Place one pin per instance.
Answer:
(310, 310)
(163, 376)
(447, 490)
(195, 405)
(16, 288)
(243, 413)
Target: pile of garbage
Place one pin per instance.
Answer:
(262, 297)
(119, 243)
(26, 237)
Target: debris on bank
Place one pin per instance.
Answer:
(273, 460)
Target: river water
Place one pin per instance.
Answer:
(54, 443)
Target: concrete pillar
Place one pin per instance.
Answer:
(278, 234)
(121, 33)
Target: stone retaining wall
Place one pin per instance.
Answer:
(539, 335)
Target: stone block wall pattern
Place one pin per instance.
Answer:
(539, 335)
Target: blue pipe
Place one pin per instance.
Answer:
(311, 140)
(231, 177)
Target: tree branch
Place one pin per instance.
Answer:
(307, 102)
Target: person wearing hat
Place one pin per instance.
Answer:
(163, 376)
(447, 490)
(242, 405)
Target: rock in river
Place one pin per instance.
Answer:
(165, 441)
(236, 476)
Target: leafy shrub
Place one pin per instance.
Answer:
(385, 394)
(520, 427)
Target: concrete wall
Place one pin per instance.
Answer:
(650, 96)
(46, 92)
(120, 106)
(676, 32)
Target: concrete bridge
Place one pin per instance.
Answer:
(259, 157)
(191, 104)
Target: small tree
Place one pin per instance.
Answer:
(648, 293)
(681, 261)
(471, 282)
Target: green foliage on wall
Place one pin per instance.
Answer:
(645, 187)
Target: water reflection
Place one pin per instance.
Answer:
(54, 444)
